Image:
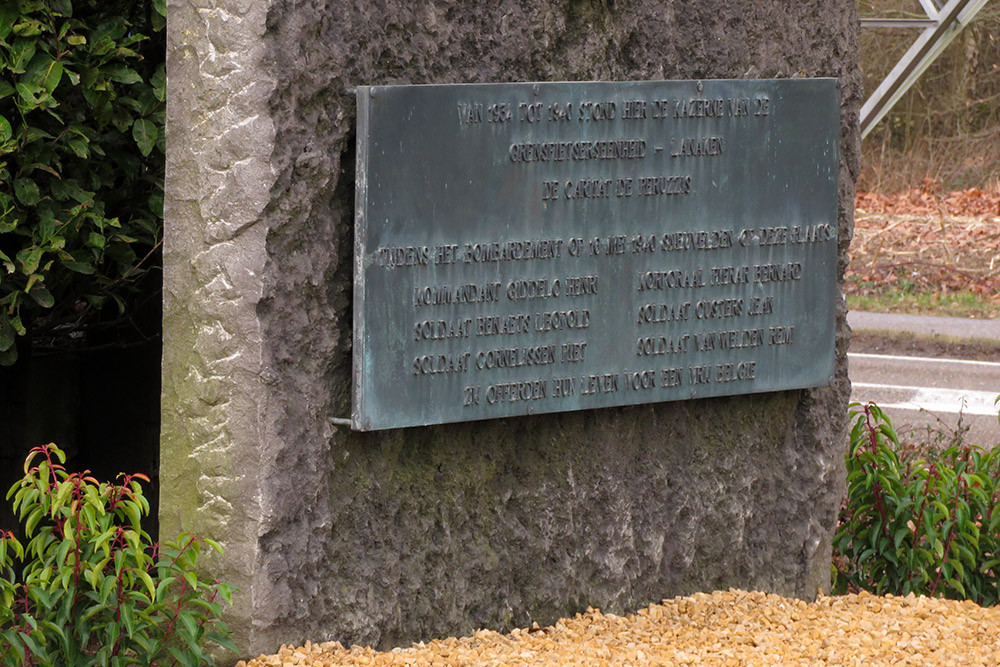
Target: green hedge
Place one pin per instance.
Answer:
(82, 89)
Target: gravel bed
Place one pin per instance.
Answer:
(722, 628)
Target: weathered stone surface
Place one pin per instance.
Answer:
(389, 537)
(213, 420)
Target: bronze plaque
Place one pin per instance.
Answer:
(540, 247)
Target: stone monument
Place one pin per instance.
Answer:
(391, 536)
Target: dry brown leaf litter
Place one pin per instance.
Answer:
(929, 199)
(924, 240)
(948, 254)
(721, 628)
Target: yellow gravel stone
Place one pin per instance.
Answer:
(725, 628)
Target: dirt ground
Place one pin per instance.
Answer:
(924, 346)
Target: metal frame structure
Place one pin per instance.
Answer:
(943, 23)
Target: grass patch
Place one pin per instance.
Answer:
(908, 298)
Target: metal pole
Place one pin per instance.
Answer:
(929, 8)
(954, 16)
(898, 23)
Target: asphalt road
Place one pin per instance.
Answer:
(918, 392)
(924, 325)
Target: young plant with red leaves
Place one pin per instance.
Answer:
(920, 520)
(90, 587)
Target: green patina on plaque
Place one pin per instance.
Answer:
(540, 247)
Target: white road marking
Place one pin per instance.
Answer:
(933, 399)
(892, 357)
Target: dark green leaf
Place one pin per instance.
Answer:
(33, 134)
(128, 619)
(122, 74)
(26, 190)
(80, 147)
(101, 45)
(131, 103)
(79, 267)
(8, 14)
(95, 300)
(7, 333)
(46, 223)
(30, 93)
(20, 54)
(5, 129)
(32, 521)
(44, 72)
(177, 655)
(129, 40)
(42, 296)
(122, 119)
(53, 74)
(113, 29)
(188, 623)
(8, 357)
(144, 132)
(159, 82)
(70, 189)
(149, 102)
(222, 640)
(901, 533)
(29, 259)
(159, 22)
(155, 207)
(52, 113)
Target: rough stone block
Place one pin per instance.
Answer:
(388, 537)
